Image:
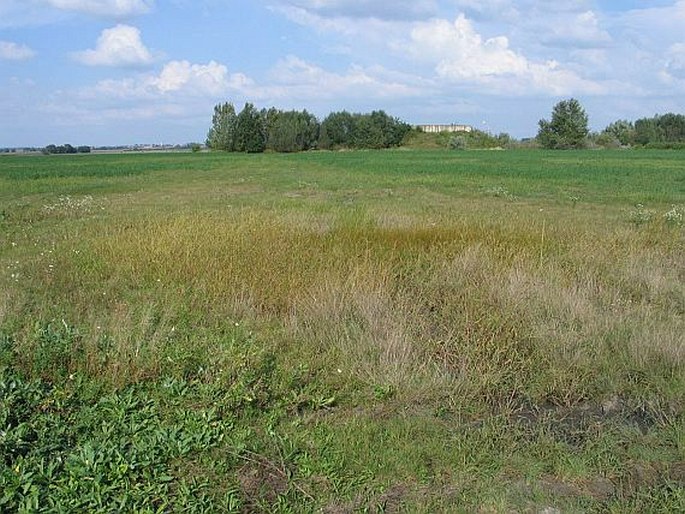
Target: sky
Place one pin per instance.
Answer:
(111, 72)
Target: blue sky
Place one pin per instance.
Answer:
(149, 71)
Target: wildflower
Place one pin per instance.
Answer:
(675, 216)
(640, 215)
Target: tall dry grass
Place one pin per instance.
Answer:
(492, 311)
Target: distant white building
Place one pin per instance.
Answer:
(444, 128)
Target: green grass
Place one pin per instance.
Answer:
(408, 330)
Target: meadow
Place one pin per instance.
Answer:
(363, 331)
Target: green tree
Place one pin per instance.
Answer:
(369, 132)
(567, 129)
(337, 130)
(671, 127)
(646, 131)
(393, 129)
(374, 130)
(221, 135)
(291, 131)
(250, 132)
(622, 131)
(62, 149)
(661, 129)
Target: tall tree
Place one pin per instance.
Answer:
(662, 128)
(222, 134)
(337, 130)
(622, 131)
(369, 132)
(568, 128)
(250, 130)
(291, 131)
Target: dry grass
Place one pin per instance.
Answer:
(495, 310)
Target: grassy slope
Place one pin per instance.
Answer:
(418, 330)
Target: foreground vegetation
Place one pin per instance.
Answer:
(423, 331)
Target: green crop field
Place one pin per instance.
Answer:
(380, 331)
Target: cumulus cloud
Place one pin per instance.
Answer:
(115, 8)
(180, 90)
(15, 52)
(176, 79)
(118, 46)
(292, 78)
(462, 55)
(454, 52)
(211, 79)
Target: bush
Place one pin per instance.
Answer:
(458, 143)
(674, 145)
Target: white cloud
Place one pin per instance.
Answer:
(449, 53)
(652, 27)
(490, 8)
(118, 46)
(462, 55)
(211, 79)
(291, 79)
(370, 28)
(176, 79)
(15, 52)
(114, 8)
(294, 77)
(180, 90)
(380, 9)
(676, 60)
(25, 13)
(583, 30)
(17, 13)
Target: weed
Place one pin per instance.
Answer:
(57, 349)
(499, 192)
(640, 215)
(675, 216)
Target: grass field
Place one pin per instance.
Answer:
(390, 331)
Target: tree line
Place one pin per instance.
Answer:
(253, 131)
(568, 128)
(660, 131)
(65, 149)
